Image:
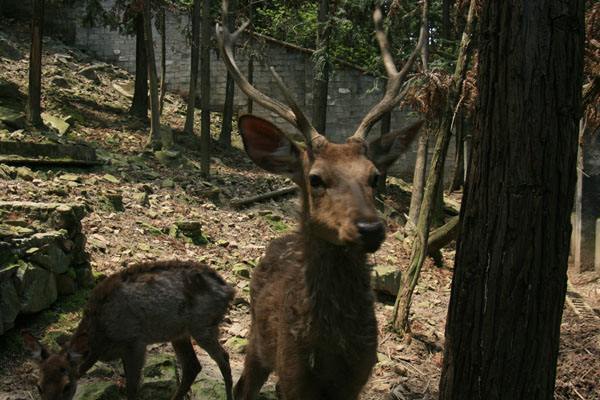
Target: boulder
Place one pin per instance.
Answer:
(66, 283)
(11, 118)
(10, 305)
(97, 390)
(37, 288)
(52, 258)
(385, 279)
(25, 173)
(236, 344)
(55, 122)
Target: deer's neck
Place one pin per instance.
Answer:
(338, 285)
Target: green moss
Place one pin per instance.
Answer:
(278, 226)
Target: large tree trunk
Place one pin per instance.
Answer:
(503, 328)
(163, 59)
(434, 180)
(205, 90)
(34, 100)
(191, 103)
(322, 67)
(225, 136)
(154, 139)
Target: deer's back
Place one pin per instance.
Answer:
(156, 302)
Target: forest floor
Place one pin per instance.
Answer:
(407, 369)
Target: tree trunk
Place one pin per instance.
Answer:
(34, 100)
(322, 68)
(225, 136)
(434, 180)
(139, 104)
(418, 181)
(163, 59)
(154, 139)
(191, 103)
(446, 26)
(205, 90)
(503, 327)
(459, 172)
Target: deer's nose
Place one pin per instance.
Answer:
(371, 233)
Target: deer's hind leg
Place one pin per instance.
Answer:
(253, 376)
(190, 366)
(133, 361)
(209, 341)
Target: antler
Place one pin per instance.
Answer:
(292, 113)
(395, 79)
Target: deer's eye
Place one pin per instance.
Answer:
(316, 181)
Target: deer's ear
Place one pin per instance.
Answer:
(37, 351)
(385, 150)
(269, 148)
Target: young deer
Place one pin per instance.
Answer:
(146, 303)
(313, 319)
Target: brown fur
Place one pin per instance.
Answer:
(313, 320)
(143, 304)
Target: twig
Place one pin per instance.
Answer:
(238, 203)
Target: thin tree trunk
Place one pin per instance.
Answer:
(225, 136)
(446, 26)
(249, 104)
(322, 67)
(154, 139)
(418, 182)
(139, 104)
(191, 103)
(205, 90)
(34, 100)
(163, 59)
(434, 180)
(510, 274)
(459, 173)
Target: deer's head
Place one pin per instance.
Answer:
(337, 180)
(58, 372)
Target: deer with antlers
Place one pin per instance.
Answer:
(312, 308)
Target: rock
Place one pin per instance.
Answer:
(66, 283)
(237, 344)
(167, 183)
(55, 122)
(115, 201)
(386, 279)
(90, 72)
(25, 173)
(11, 118)
(141, 198)
(124, 88)
(10, 305)
(37, 288)
(7, 172)
(52, 258)
(111, 178)
(97, 390)
(192, 230)
(160, 366)
(8, 50)
(59, 81)
(85, 278)
(168, 157)
(241, 270)
(70, 178)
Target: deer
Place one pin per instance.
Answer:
(153, 302)
(312, 308)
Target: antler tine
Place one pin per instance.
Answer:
(393, 93)
(292, 113)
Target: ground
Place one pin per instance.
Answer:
(157, 196)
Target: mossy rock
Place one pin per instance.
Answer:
(99, 390)
(161, 367)
(237, 344)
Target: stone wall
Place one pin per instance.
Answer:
(42, 256)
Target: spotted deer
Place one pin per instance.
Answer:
(312, 308)
(155, 302)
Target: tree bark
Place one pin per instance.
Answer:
(434, 180)
(322, 67)
(205, 90)
(225, 136)
(163, 59)
(34, 99)
(195, 58)
(418, 182)
(503, 327)
(459, 172)
(154, 138)
(139, 104)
